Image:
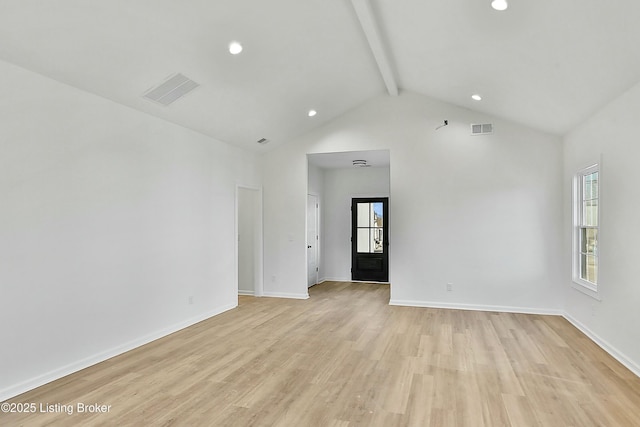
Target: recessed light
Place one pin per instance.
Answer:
(499, 4)
(312, 113)
(235, 48)
(476, 97)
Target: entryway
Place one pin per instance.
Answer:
(336, 179)
(249, 240)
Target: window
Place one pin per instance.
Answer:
(586, 229)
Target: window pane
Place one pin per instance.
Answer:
(590, 212)
(376, 239)
(377, 215)
(364, 214)
(363, 240)
(589, 268)
(590, 186)
(589, 241)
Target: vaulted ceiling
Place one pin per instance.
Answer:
(547, 64)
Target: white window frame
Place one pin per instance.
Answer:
(585, 286)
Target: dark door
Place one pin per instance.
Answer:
(370, 239)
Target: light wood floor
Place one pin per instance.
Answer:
(345, 358)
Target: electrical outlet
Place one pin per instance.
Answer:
(190, 299)
(449, 287)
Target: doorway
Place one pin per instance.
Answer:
(249, 240)
(370, 239)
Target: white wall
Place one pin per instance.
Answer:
(247, 212)
(610, 136)
(481, 212)
(110, 220)
(340, 186)
(315, 178)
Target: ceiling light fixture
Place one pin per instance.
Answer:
(235, 48)
(499, 4)
(476, 97)
(312, 113)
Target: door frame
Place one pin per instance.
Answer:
(354, 253)
(258, 258)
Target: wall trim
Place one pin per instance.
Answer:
(248, 293)
(333, 279)
(329, 279)
(477, 307)
(286, 295)
(611, 350)
(63, 371)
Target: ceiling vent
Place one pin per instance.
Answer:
(360, 163)
(481, 129)
(173, 88)
(262, 141)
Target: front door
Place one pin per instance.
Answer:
(370, 239)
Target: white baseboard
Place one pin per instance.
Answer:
(615, 353)
(249, 293)
(285, 295)
(334, 279)
(350, 281)
(476, 307)
(63, 371)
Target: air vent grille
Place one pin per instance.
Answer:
(481, 129)
(173, 88)
(263, 141)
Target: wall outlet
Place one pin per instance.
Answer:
(449, 287)
(190, 299)
(273, 279)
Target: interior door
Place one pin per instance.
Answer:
(370, 239)
(312, 240)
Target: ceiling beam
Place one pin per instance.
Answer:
(372, 32)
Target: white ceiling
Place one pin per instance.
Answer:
(548, 64)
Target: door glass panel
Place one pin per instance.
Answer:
(364, 214)
(363, 240)
(376, 239)
(376, 218)
(370, 229)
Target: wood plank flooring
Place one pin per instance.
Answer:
(346, 358)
